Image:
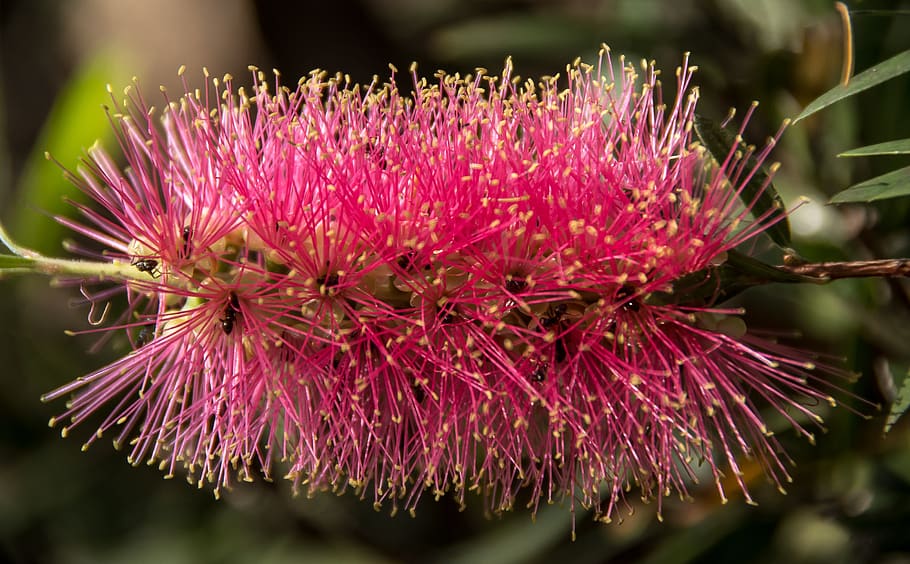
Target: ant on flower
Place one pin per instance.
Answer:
(146, 265)
(230, 314)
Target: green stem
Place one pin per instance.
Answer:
(115, 270)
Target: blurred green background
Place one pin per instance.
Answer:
(850, 501)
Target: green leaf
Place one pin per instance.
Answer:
(891, 185)
(753, 269)
(525, 34)
(515, 541)
(898, 462)
(720, 283)
(74, 123)
(898, 147)
(870, 77)
(687, 544)
(758, 192)
(901, 402)
(741, 272)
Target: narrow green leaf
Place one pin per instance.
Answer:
(901, 403)
(758, 192)
(687, 544)
(891, 185)
(870, 77)
(514, 542)
(74, 123)
(525, 34)
(898, 147)
(741, 272)
(753, 269)
(720, 283)
(898, 462)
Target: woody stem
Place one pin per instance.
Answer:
(827, 271)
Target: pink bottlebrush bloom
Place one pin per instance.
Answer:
(441, 292)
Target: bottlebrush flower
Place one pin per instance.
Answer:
(460, 289)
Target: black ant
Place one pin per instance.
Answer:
(515, 285)
(328, 280)
(406, 260)
(376, 152)
(144, 336)
(230, 314)
(629, 305)
(625, 292)
(540, 372)
(147, 265)
(409, 260)
(187, 242)
(553, 317)
(559, 351)
(552, 321)
(419, 393)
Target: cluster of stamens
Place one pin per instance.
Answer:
(468, 288)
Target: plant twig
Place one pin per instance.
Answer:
(826, 271)
(114, 270)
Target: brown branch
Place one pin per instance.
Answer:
(825, 271)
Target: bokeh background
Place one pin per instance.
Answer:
(850, 500)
